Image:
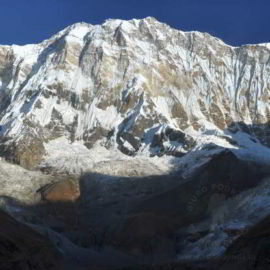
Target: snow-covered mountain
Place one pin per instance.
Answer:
(136, 87)
(107, 103)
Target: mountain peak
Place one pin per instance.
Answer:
(137, 86)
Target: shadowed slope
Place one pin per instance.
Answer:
(23, 248)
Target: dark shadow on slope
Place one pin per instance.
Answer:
(154, 220)
(253, 247)
(21, 247)
(138, 217)
(120, 222)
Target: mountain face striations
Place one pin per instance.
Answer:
(132, 145)
(138, 86)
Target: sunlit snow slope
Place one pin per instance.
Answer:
(137, 87)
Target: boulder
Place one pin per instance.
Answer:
(66, 190)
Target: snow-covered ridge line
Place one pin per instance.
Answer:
(137, 86)
(117, 22)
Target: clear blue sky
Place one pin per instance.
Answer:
(237, 22)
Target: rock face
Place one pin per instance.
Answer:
(66, 190)
(123, 83)
(27, 152)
